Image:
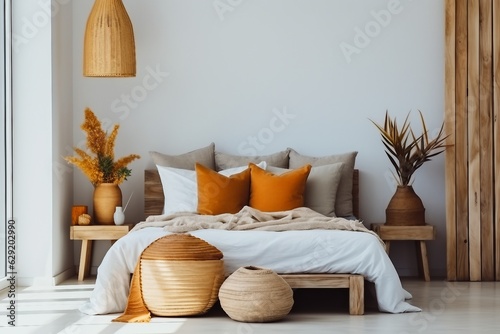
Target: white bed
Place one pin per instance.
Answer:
(312, 251)
(326, 257)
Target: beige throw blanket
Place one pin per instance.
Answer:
(252, 219)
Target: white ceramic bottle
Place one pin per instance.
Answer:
(119, 216)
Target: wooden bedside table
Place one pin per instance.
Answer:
(89, 233)
(419, 234)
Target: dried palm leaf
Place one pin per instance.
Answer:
(406, 151)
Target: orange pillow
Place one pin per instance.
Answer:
(270, 192)
(221, 194)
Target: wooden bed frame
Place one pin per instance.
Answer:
(153, 205)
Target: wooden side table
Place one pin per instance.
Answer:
(89, 233)
(419, 234)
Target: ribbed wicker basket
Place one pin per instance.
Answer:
(176, 275)
(181, 275)
(180, 288)
(253, 294)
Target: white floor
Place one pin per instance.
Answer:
(447, 308)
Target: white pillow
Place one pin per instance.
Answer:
(181, 189)
(235, 170)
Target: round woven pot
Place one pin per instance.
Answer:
(405, 208)
(180, 276)
(253, 294)
(107, 196)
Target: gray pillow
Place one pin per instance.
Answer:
(321, 187)
(343, 203)
(225, 161)
(204, 156)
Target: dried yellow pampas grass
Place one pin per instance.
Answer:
(98, 163)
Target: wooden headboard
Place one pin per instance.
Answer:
(153, 193)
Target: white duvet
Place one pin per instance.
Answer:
(309, 251)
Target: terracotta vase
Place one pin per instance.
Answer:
(107, 196)
(405, 208)
(253, 294)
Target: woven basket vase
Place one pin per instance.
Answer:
(180, 275)
(253, 294)
(405, 208)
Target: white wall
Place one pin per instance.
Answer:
(42, 116)
(223, 66)
(62, 118)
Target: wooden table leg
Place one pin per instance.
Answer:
(85, 259)
(387, 246)
(422, 259)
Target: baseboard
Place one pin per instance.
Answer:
(65, 275)
(46, 281)
(412, 272)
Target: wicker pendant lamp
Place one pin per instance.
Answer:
(109, 46)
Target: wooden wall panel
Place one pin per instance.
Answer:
(486, 140)
(461, 147)
(496, 131)
(474, 161)
(450, 81)
(472, 97)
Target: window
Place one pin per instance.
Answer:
(5, 139)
